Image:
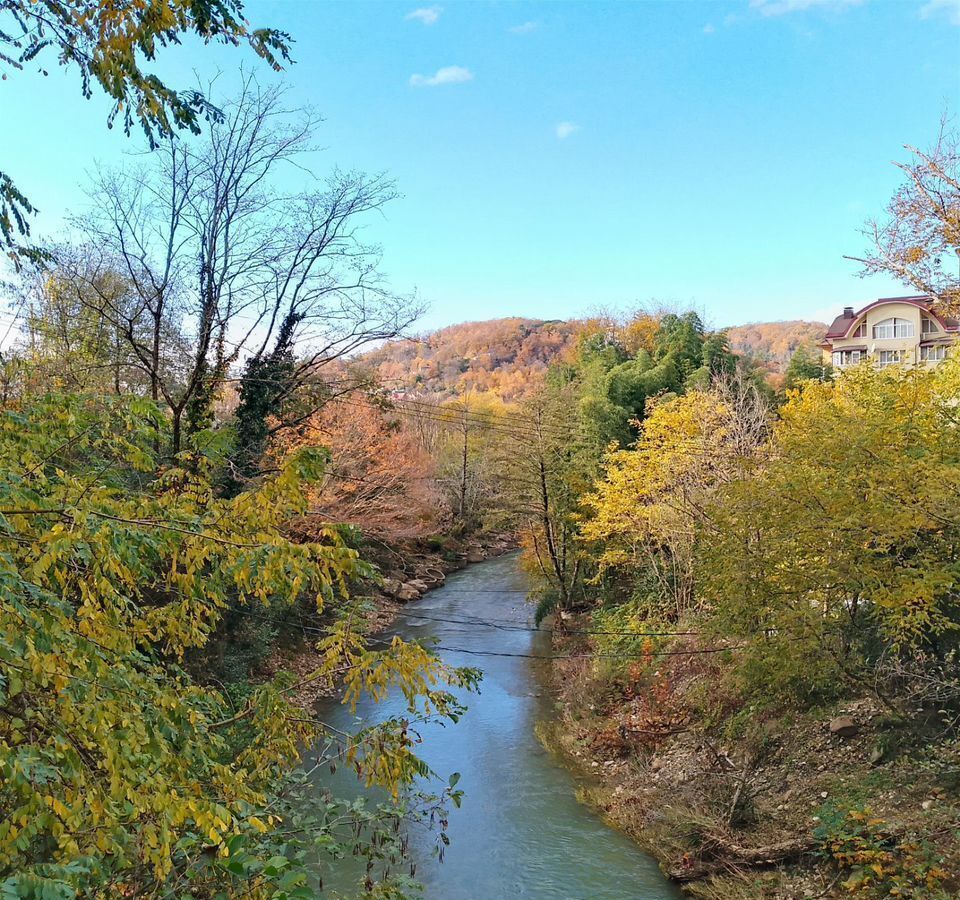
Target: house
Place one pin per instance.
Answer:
(890, 331)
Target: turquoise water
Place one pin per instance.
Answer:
(520, 831)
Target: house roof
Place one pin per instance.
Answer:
(843, 324)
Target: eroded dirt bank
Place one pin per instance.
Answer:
(842, 800)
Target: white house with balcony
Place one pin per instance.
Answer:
(890, 331)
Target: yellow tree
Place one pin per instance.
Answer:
(119, 773)
(648, 509)
(471, 425)
(845, 542)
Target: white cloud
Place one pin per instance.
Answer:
(446, 75)
(525, 28)
(949, 8)
(708, 29)
(785, 7)
(565, 129)
(426, 14)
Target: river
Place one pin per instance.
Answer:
(521, 831)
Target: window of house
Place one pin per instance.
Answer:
(861, 329)
(846, 357)
(928, 326)
(893, 328)
(933, 354)
(890, 357)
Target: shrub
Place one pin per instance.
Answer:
(875, 861)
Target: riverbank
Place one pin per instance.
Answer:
(409, 572)
(520, 830)
(837, 801)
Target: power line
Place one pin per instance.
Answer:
(477, 417)
(303, 628)
(439, 417)
(478, 414)
(503, 625)
(526, 428)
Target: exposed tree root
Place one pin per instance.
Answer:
(718, 856)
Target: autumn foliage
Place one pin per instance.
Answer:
(379, 479)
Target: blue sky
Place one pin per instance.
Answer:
(555, 158)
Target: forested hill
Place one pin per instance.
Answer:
(508, 356)
(504, 356)
(772, 343)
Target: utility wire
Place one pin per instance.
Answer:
(510, 626)
(384, 642)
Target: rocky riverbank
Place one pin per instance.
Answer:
(839, 801)
(421, 569)
(408, 573)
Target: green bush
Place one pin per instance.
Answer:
(873, 860)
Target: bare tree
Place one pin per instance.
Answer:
(221, 255)
(544, 473)
(918, 242)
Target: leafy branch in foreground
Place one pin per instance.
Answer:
(108, 43)
(119, 773)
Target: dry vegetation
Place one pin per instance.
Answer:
(509, 357)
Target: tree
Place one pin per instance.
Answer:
(615, 383)
(681, 337)
(107, 43)
(804, 365)
(544, 470)
(467, 470)
(379, 480)
(842, 546)
(648, 508)
(918, 242)
(66, 342)
(219, 257)
(120, 774)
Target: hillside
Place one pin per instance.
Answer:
(772, 343)
(509, 356)
(505, 356)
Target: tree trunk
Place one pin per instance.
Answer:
(722, 856)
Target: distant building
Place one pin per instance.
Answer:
(890, 331)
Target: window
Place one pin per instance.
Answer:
(846, 357)
(928, 326)
(933, 354)
(893, 328)
(890, 357)
(861, 329)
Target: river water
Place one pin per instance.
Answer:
(520, 831)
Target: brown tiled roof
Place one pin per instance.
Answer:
(841, 325)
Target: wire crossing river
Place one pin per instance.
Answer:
(520, 831)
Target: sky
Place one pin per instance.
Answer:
(559, 158)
